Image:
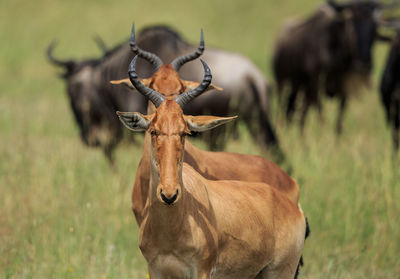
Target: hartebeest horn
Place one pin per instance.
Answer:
(181, 60)
(155, 97)
(69, 64)
(150, 57)
(186, 97)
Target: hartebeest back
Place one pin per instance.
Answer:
(197, 228)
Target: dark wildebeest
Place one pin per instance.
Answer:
(390, 89)
(325, 52)
(94, 100)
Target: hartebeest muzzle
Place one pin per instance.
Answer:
(168, 199)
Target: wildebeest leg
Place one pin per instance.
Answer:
(396, 124)
(321, 115)
(339, 122)
(264, 133)
(216, 139)
(233, 130)
(291, 104)
(310, 97)
(271, 139)
(305, 108)
(108, 152)
(396, 139)
(280, 97)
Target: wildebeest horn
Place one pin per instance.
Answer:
(181, 60)
(186, 97)
(69, 64)
(393, 22)
(155, 97)
(377, 4)
(335, 5)
(150, 57)
(100, 43)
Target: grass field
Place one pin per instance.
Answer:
(65, 214)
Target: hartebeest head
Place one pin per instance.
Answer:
(166, 78)
(168, 127)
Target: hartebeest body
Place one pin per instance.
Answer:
(198, 228)
(211, 165)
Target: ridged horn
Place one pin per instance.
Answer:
(150, 57)
(186, 97)
(181, 60)
(155, 97)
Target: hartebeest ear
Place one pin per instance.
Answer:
(135, 121)
(127, 82)
(193, 84)
(204, 122)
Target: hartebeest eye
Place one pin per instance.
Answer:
(154, 133)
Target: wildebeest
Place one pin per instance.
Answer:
(94, 100)
(324, 52)
(199, 228)
(390, 89)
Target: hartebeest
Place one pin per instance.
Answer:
(198, 228)
(211, 165)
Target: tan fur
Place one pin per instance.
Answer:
(230, 229)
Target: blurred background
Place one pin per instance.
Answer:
(65, 213)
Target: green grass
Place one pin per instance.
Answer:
(65, 214)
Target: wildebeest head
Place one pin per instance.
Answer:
(89, 108)
(360, 22)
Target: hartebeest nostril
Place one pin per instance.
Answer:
(168, 200)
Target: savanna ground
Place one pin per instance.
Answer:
(65, 214)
